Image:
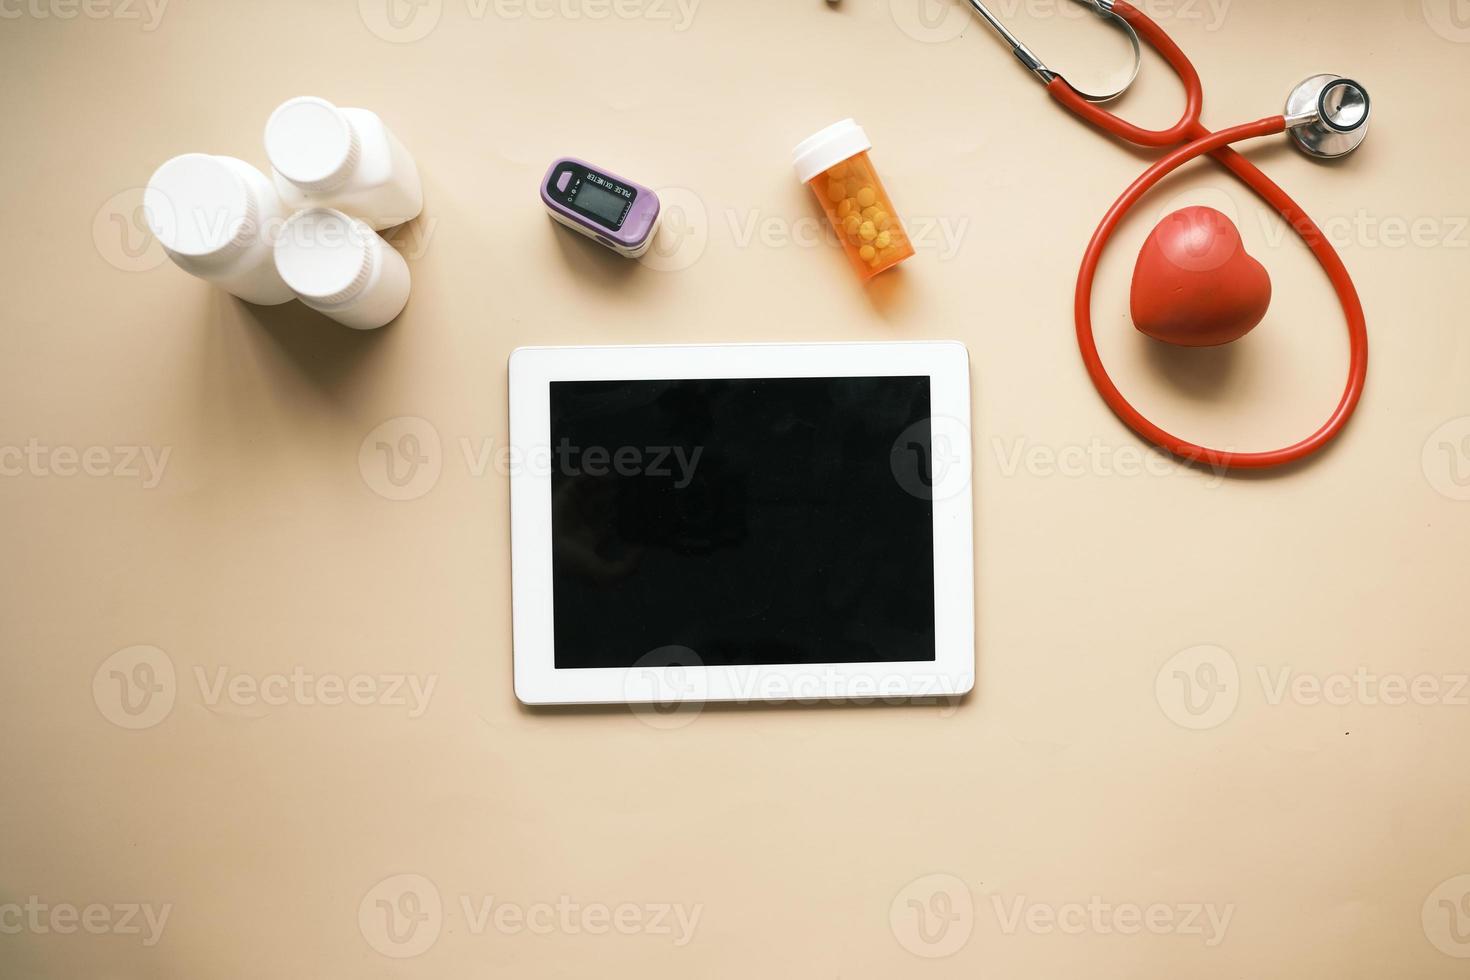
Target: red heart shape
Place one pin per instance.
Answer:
(1195, 285)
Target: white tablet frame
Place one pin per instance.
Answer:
(538, 681)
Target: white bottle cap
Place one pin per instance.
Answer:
(828, 148)
(324, 255)
(199, 206)
(312, 143)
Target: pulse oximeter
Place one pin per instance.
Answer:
(609, 209)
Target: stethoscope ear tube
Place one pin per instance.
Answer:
(1034, 64)
(1194, 99)
(1116, 20)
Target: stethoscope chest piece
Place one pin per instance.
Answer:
(1328, 115)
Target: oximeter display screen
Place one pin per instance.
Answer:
(600, 203)
(758, 521)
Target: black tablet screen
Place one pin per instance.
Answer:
(750, 521)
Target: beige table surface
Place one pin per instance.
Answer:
(1219, 727)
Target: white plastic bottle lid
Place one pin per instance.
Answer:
(311, 143)
(828, 148)
(325, 256)
(197, 205)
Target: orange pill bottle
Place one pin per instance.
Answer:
(834, 164)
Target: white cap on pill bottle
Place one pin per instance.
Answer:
(312, 143)
(214, 217)
(341, 267)
(199, 206)
(345, 159)
(829, 147)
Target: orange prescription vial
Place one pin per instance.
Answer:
(834, 164)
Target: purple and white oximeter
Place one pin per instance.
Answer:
(609, 209)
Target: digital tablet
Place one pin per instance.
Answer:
(744, 522)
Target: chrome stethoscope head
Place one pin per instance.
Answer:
(1027, 57)
(1328, 115)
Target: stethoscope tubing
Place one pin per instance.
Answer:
(1199, 141)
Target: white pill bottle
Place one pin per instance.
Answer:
(217, 217)
(337, 265)
(345, 159)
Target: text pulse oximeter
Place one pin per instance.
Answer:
(609, 209)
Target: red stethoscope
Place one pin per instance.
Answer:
(1328, 117)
